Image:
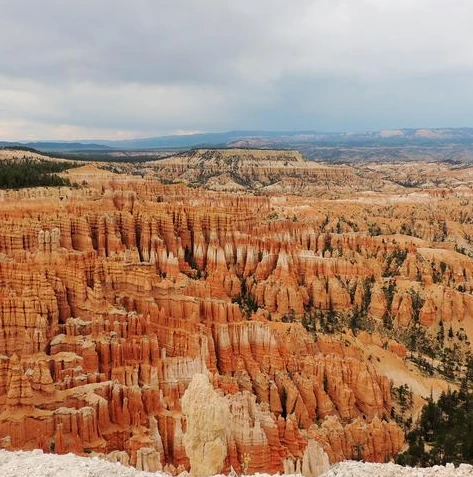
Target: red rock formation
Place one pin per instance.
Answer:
(107, 312)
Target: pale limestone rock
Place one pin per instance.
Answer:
(208, 419)
(118, 456)
(148, 459)
(314, 461)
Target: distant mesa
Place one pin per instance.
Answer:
(256, 169)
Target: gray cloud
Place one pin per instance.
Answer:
(108, 68)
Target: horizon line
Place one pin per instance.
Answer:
(231, 131)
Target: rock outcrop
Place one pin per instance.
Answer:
(240, 169)
(208, 417)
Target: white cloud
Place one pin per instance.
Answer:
(154, 67)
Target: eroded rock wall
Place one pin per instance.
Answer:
(108, 311)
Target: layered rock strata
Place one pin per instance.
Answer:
(108, 311)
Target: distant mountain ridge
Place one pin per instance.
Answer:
(263, 139)
(56, 146)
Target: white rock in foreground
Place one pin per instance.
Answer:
(361, 469)
(37, 464)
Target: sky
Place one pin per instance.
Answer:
(116, 69)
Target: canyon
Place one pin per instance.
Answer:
(308, 295)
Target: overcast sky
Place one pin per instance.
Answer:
(72, 69)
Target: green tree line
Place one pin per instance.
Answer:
(25, 172)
